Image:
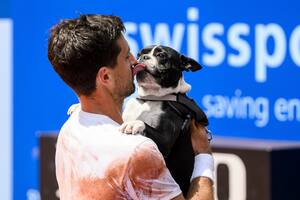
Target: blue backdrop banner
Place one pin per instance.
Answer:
(250, 51)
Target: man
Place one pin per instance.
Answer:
(93, 159)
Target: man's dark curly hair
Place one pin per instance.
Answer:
(77, 48)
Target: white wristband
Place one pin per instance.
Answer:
(203, 166)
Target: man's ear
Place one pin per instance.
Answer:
(104, 75)
(189, 64)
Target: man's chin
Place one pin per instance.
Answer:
(130, 91)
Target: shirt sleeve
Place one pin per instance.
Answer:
(148, 176)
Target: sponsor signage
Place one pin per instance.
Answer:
(248, 87)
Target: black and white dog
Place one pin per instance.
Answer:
(162, 111)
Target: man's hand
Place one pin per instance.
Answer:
(199, 138)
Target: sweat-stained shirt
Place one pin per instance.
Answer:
(94, 160)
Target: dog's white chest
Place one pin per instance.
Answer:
(135, 108)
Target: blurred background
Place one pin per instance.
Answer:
(249, 87)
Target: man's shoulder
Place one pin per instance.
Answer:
(145, 158)
(135, 142)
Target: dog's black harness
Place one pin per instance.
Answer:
(184, 106)
(176, 145)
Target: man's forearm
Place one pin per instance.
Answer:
(202, 179)
(201, 188)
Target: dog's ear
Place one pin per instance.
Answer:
(189, 64)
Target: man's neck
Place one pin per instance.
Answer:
(104, 106)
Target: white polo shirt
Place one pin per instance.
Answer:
(96, 161)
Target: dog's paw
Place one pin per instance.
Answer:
(73, 108)
(133, 127)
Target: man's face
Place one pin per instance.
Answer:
(123, 78)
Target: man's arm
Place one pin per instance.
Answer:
(147, 160)
(201, 187)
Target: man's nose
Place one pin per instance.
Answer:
(133, 60)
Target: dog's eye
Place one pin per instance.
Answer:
(160, 55)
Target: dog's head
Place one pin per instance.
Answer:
(160, 71)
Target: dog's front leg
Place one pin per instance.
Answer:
(133, 127)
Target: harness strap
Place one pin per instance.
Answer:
(169, 97)
(183, 112)
(183, 100)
